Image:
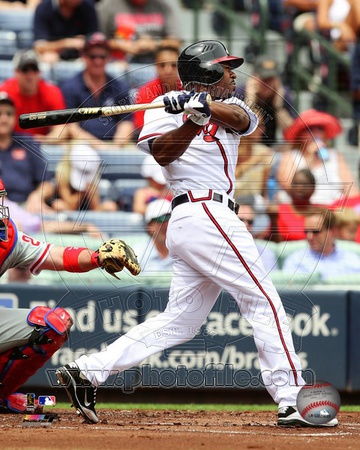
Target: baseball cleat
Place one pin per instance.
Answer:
(289, 416)
(80, 391)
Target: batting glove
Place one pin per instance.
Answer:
(199, 109)
(175, 103)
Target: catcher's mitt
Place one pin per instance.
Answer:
(115, 254)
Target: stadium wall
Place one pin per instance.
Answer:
(324, 325)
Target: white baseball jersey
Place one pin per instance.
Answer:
(211, 160)
(22, 251)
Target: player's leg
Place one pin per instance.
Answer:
(28, 338)
(190, 300)
(234, 263)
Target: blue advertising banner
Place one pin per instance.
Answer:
(222, 353)
(354, 339)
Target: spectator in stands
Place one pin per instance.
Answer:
(246, 214)
(331, 20)
(14, 5)
(292, 10)
(310, 136)
(167, 80)
(22, 164)
(333, 16)
(354, 132)
(76, 181)
(270, 97)
(136, 28)
(31, 93)
(156, 188)
(94, 87)
(348, 224)
(155, 257)
(253, 165)
(287, 219)
(322, 254)
(60, 28)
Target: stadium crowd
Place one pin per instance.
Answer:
(125, 52)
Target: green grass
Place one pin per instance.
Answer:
(194, 407)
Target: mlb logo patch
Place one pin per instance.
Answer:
(47, 400)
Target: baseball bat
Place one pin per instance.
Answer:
(62, 116)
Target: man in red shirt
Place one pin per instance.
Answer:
(167, 80)
(30, 93)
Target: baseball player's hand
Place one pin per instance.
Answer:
(174, 104)
(198, 108)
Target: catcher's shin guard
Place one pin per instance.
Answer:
(51, 331)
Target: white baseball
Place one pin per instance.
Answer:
(318, 403)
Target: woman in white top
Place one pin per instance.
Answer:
(335, 16)
(309, 137)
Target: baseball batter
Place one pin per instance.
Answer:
(28, 338)
(197, 146)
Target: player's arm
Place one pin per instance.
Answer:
(173, 144)
(229, 116)
(70, 259)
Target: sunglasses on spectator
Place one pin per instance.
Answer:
(312, 231)
(93, 56)
(249, 221)
(27, 69)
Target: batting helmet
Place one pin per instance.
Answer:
(4, 214)
(201, 62)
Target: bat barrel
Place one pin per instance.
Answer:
(57, 117)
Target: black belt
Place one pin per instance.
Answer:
(184, 198)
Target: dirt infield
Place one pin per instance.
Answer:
(157, 430)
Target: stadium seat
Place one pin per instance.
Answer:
(349, 245)
(69, 240)
(284, 281)
(63, 70)
(123, 164)
(124, 190)
(96, 277)
(113, 224)
(105, 189)
(25, 39)
(16, 20)
(344, 280)
(8, 45)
